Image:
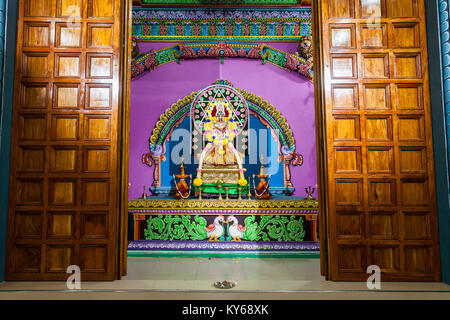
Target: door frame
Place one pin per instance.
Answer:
(124, 124)
(322, 166)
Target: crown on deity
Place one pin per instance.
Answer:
(219, 105)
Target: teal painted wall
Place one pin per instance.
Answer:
(439, 57)
(8, 23)
(2, 54)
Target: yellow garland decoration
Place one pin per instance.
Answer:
(198, 182)
(242, 182)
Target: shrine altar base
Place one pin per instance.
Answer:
(281, 227)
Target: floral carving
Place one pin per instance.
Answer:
(255, 52)
(222, 49)
(151, 62)
(297, 159)
(201, 52)
(187, 52)
(242, 52)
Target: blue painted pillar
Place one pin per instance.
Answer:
(8, 26)
(2, 39)
(2, 211)
(438, 36)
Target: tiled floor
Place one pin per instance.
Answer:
(192, 278)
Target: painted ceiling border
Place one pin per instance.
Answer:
(206, 24)
(224, 2)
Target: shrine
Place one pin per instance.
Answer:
(224, 171)
(223, 192)
(139, 130)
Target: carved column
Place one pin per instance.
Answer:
(287, 171)
(151, 159)
(137, 225)
(156, 171)
(313, 219)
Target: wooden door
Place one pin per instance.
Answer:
(380, 178)
(63, 206)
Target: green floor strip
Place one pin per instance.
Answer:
(223, 254)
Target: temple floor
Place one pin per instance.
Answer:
(192, 278)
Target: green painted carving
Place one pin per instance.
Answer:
(182, 227)
(277, 58)
(274, 228)
(233, 189)
(251, 230)
(165, 56)
(175, 228)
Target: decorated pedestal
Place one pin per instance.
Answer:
(287, 224)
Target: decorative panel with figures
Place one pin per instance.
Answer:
(63, 210)
(381, 190)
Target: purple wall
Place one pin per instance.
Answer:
(153, 92)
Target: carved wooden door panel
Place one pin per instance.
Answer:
(63, 201)
(381, 199)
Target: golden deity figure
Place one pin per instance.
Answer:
(183, 190)
(262, 189)
(220, 131)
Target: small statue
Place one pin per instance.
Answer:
(144, 194)
(305, 49)
(183, 190)
(134, 49)
(262, 189)
(310, 191)
(135, 54)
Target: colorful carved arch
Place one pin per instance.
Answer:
(173, 115)
(221, 49)
(270, 116)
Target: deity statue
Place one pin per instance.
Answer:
(220, 131)
(135, 52)
(183, 190)
(262, 189)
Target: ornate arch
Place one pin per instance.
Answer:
(262, 108)
(266, 112)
